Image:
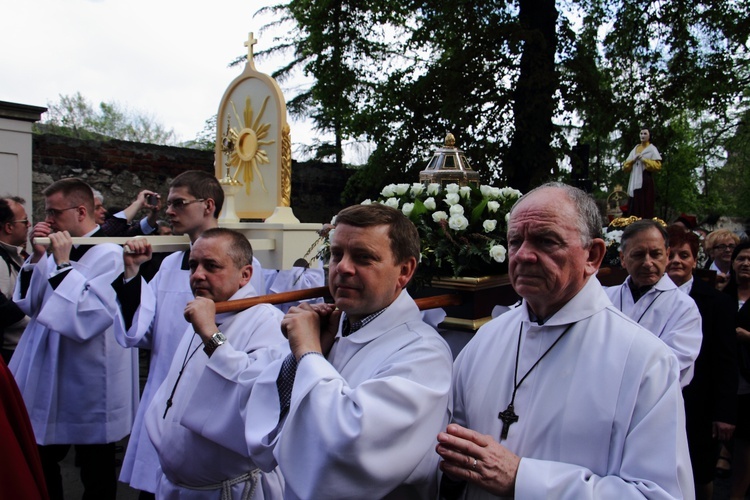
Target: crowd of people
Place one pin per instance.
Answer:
(578, 391)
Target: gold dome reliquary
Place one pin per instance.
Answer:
(449, 165)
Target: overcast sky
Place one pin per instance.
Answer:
(166, 58)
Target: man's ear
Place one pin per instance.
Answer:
(245, 274)
(596, 253)
(406, 271)
(82, 212)
(210, 206)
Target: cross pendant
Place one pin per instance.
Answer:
(509, 418)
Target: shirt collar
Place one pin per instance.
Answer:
(687, 287)
(347, 328)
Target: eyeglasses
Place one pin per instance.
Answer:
(180, 204)
(722, 248)
(54, 212)
(25, 221)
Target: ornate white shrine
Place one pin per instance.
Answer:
(253, 162)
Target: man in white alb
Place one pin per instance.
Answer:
(563, 397)
(193, 463)
(353, 410)
(80, 387)
(152, 313)
(650, 298)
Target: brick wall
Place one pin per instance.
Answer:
(121, 169)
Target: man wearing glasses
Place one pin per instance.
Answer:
(153, 312)
(79, 385)
(13, 232)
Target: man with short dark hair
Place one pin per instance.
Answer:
(79, 385)
(153, 312)
(651, 299)
(353, 410)
(563, 397)
(14, 228)
(193, 461)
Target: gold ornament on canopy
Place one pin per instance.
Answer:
(244, 147)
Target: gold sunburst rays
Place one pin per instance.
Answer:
(246, 151)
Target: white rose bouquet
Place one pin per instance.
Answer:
(462, 229)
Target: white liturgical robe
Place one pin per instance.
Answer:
(158, 325)
(601, 415)
(79, 385)
(667, 313)
(362, 423)
(190, 460)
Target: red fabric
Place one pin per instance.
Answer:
(20, 469)
(642, 203)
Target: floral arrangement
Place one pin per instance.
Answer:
(462, 228)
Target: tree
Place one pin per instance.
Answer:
(336, 43)
(75, 116)
(519, 82)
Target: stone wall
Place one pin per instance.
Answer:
(121, 169)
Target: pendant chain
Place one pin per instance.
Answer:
(509, 416)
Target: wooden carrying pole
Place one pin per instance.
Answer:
(158, 243)
(424, 303)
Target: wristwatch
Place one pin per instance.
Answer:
(215, 341)
(63, 265)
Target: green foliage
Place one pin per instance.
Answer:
(75, 116)
(519, 82)
(205, 139)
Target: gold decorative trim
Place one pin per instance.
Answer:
(465, 324)
(466, 283)
(286, 166)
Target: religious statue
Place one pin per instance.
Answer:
(642, 161)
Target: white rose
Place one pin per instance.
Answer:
(407, 208)
(493, 206)
(507, 217)
(333, 221)
(458, 222)
(497, 252)
(401, 189)
(456, 210)
(485, 190)
(489, 225)
(613, 237)
(452, 188)
(391, 202)
(452, 198)
(416, 189)
(439, 215)
(465, 191)
(433, 188)
(495, 193)
(388, 191)
(368, 201)
(430, 204)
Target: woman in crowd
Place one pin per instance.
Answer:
(720, 244)
(738, 288)
(711, 397)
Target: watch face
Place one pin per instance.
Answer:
(218, 338)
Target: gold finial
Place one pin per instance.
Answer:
(450, 141)
(251, 40)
